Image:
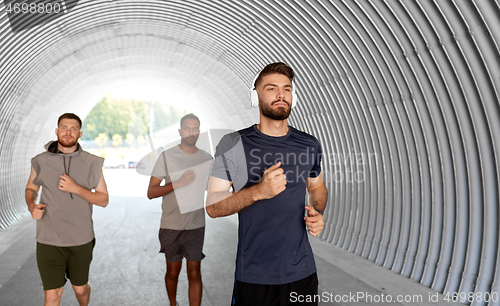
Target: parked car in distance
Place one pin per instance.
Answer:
(132, 164)
(115, 163)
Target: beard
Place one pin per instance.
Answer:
(67, 143)
(189, 141)
(280, 113)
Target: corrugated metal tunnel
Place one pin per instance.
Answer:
(402, 94)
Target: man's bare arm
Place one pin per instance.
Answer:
(155, 190)
(98, 197)
(317, 199)
(221, 202)
(31, 194)
(317, 192)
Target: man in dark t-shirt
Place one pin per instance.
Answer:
(270, 166)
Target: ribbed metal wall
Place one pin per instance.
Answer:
(403, 95)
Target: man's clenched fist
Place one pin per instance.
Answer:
(38, 211)
(272, 183)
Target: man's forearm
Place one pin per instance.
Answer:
(31, 195)
(317, 198)
(97, 198)
(226, 203)
(159, 191)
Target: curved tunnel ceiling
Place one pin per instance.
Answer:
(403, 95)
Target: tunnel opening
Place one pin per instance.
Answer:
(133, 120)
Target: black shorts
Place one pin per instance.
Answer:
(55, 264)
(178, 244)
(301, 292)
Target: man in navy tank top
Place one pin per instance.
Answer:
(270, 166)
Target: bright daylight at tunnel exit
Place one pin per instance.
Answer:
(216, 152)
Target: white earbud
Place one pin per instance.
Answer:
(254, 97)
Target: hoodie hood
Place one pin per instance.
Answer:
(51, 147)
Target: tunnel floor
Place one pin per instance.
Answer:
(128, 270)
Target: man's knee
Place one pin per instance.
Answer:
(173, 269)
(194, 274)
(172, 274)
(82, 290)
(53, 295)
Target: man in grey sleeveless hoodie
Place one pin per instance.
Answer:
(72, 181)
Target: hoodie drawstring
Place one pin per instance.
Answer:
(67, 172)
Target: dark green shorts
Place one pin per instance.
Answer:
(58, 263)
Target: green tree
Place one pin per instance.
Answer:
(129, 138)
(102, 139)
(141, 140)
(127, 116)
(90, 131)
(117, 140)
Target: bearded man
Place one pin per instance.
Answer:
(72, 182)
(270, 165)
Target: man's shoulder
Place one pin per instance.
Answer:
(237, 135)
(176, 151)
(205, 154)
(91, 157)
(170, 151)
(41, 157)
(230, 140)
(246, 131)
(303, 135)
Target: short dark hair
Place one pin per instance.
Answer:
(69, 116)
(278, 67)
(190, 116)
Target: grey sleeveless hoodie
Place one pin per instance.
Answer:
(67, 220)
